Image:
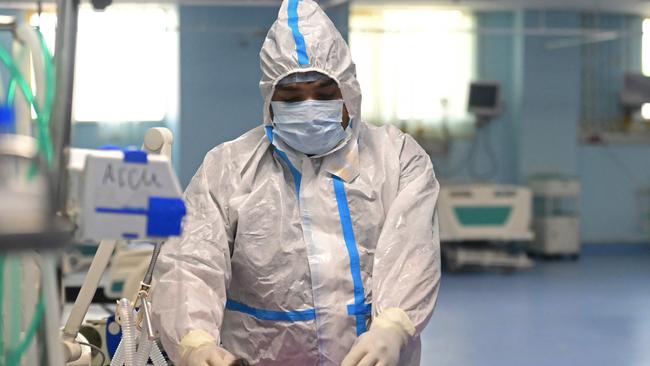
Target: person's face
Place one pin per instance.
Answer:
(315, 90)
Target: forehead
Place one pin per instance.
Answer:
(326, 84)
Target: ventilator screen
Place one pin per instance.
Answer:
(483, 96)
(484, 99)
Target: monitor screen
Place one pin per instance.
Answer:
(483, 96)
(635, 91)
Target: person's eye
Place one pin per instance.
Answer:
(293, 100)
(327, 96)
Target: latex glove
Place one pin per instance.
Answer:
(199, 348)
(383, 343)
(208, 355)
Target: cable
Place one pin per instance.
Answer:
(494, 162)
(470, 160)
(465, 161)
(152, 263)
(97, 349)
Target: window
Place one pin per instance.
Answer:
(645, 63)
(414, 64)
(610, 48)
(126, 65)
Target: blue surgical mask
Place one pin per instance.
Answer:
(312, 127)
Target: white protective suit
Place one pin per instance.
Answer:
(285, 259)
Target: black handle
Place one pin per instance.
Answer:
(240, 362)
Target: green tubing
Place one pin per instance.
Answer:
(50, 80)
(43, 354)
(20, 351)
(18, 347)
(11, 92)
(15, 305)
(44, 140)
(42, 115)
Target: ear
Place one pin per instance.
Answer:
(346, 117)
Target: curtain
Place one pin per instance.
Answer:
(414, 65)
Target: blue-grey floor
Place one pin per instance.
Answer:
(592, 312)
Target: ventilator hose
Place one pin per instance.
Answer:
(128, 331)
(118, 357)
(157, 357)
(144, 348)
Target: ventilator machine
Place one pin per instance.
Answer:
(53, 195)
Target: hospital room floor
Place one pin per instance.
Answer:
(595, 311)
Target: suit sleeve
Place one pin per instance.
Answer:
(193, 272)
(406, 270)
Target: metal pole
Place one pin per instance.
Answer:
(66, 44)
(54, 351)
(91, 283)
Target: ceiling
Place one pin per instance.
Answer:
(269, 3)
(623, 6)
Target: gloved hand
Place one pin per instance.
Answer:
(207, 355)
(382, 344)
(199, 348)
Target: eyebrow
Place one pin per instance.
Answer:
(319, 83)
(287, 87)
(326, 83)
